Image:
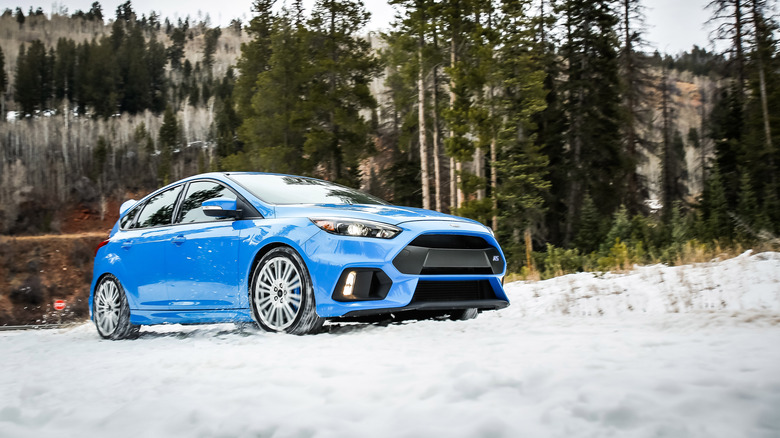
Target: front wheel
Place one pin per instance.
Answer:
(111, 311)
(282, 295)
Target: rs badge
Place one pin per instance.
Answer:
(496, 258)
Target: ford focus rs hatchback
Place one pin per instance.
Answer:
(288, 253)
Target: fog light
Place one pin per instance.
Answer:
(349, 284)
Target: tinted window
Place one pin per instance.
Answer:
(128, 218)
(197, 193)
(159, 209)
(283, 189)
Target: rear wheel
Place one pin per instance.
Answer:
(463, 315)
(282, 295)
(111, 311)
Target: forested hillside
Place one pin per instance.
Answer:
(552, 122)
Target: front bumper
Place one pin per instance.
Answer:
(330, 256)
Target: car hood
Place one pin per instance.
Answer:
(390, 214)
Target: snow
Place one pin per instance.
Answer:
(687, 351)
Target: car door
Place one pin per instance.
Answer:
(142, 250)
(202, 255)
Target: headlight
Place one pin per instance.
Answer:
(357, 227)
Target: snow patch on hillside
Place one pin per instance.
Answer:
(688, 351)
(748, 284)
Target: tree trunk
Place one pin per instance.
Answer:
(762, 86)
(436, 146)
(703, 138)
(479, 169)
(667, 173)
(494, 181)
(631, 137)
(456, 167)
(740, 56)
(528, 250)
(453, 187)
(493, 160)
(426, 187)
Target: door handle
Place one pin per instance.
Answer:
(127, 244)
(178, 240)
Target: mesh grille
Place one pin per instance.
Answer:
(437, 291)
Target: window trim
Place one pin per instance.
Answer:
(253, 213)
(143, 205)
(239, 199)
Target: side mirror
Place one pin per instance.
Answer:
(126, 206)
(220, 207)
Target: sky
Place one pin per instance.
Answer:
(672, 25)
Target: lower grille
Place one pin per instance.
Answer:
(438, 291)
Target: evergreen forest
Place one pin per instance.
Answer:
(551, 121)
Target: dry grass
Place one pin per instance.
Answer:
(692, 252)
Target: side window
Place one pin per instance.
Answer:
(197, 193)
(159, 209)
(128, 218)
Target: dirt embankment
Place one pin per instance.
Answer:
(36, 270)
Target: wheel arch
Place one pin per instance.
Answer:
(262, 252)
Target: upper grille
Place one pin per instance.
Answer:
(449, 254)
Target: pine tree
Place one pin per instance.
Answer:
(255, 55)
(403, 177)
(747, 210)
(20, 17)
(175, 51)
(620, 230)
(343, 66)
(459, 147)
(103, 78)
(673, 174)
(210, 40)
(65, 69)
(731, 17)
(715, 207)
(275, 131)
(590, 233)
(95, 12)
(727, 127)
(416, 23)
(32, 84)
(552, 123)
(596, 162)
(635, 83)
(155, 64)
(760, 157)
(521, 167)
(168, 140)
(135, 93)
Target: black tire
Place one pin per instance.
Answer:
(111, 312)
(281, 294)
(463, 315)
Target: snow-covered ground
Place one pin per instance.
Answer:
(691, 351)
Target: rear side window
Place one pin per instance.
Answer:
(197, 193)
(159, 209)
(127, 219)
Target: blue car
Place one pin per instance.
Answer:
(287, 252)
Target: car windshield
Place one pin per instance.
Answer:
(284, 189)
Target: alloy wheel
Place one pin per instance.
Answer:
(278, 293)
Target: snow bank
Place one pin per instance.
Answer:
(656, 352)
(745, 285)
